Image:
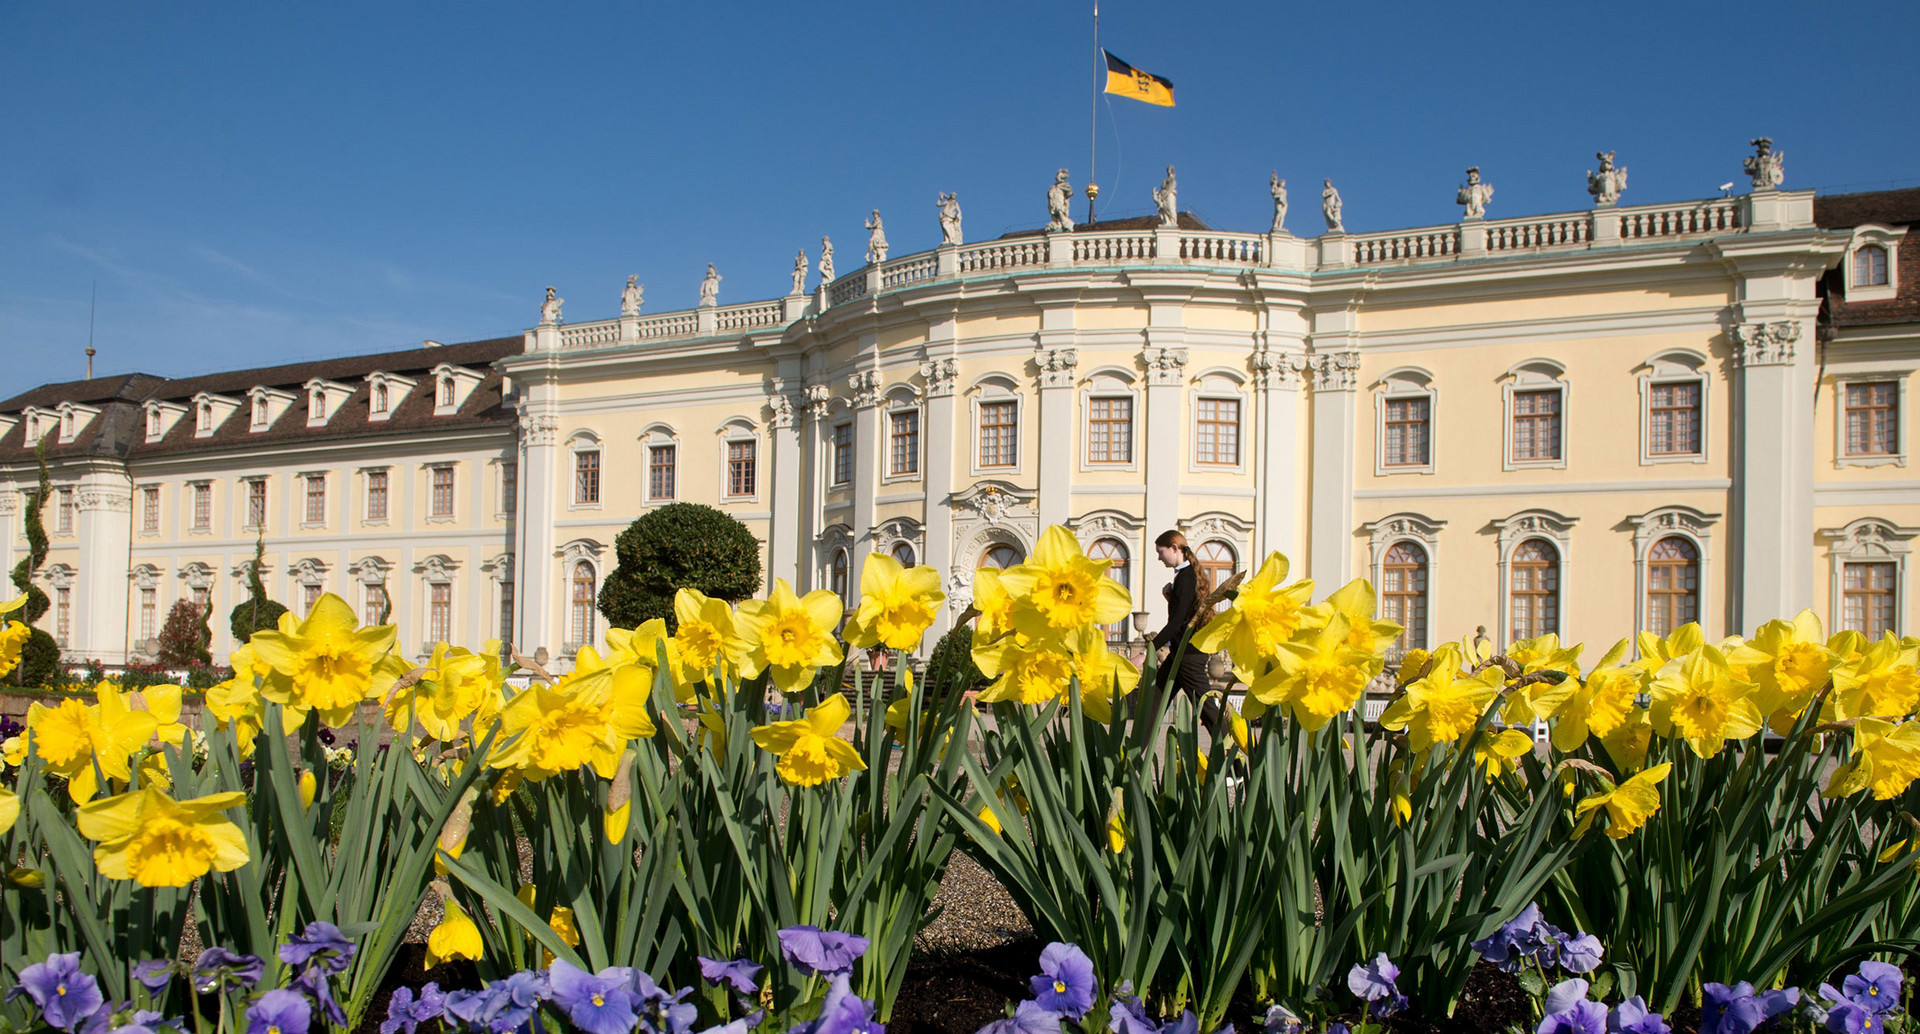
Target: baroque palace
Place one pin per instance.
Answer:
(1624, 417)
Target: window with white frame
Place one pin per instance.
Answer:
(1533, 590)
(380, 397)
(1001, 555)
(317, 406)
(65, 502)
(1216, 431)
(62, 613)
(446, 392)
(256, 503)
(316, 510)
(440, 501)
(153, 423)
(1868, 576)
(580, 610)
(310, 595)
(150, 509)
(1867, 597)
(149, 612)
(742, 459)
(376, 496)
(902, 553)
(838, 574)
(996, 425)
(509, 487)
(1110, 429)
(1536, 400)
(1215, 561)
(586, 477)
(1114, 552)
(1673, 408)
(439, 611)
(843, 453)
(903, 442)
(506, 610)
(203, 419)
(1871, 420)
(374, 604)
(1869, 267)
(661, 463)
(202, 506)
(1871, 270)
(1404, 402)
(1403, 594)
(259, 412)
(202, 599)
(1673, 585)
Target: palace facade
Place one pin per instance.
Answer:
(1591, 422)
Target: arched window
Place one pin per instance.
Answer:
(1403, 594)
(1001, 555)
(903, 552)
(1216, 561)
(1114, 552)
(837, 574)
(1534, 589)
(1673, 585)
(580, 623)
(446, 391)
(380, 397)
(1870, 266)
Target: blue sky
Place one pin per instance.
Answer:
(257, 183)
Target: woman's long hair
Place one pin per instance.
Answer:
(1203, 583)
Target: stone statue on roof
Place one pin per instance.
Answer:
(949, 218)
(632, 297)
(1164, 198)
(826, 262)
(1330, 207)
(1474, 194)
(550, 309)
(1606, 185)
(710, 288)
(1059, 197)
(800, 272)
(876, 239)
(1278, 187)
(1766, 165)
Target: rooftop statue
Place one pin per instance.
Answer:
(1059, 197)
(949, 219)
(1766, 165)
(876, 239)
(1164, 198)
(1475, 195)
(550, 309)
(800, 272)
(1330, 207)
(1606, 185)
(826, 262)
(632, 297)
(1278, 187)
(710, 287)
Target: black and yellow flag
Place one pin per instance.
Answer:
(1128, 81)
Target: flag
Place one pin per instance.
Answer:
(1128, 81)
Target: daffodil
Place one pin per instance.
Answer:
(1499, 755)
(985, 815)
(1886, 758)
(1413, 664)
(1697, 699)
(995, 604)
(163, 702)
(1105, 676)
(1628, 805)
(456, 682)
(584, 719)
(73, 738)
(1024, 672)
(618, 811)
(1544, 653)
(1598, 705)
(1366, 633)
(1787, 662)
(13, 642)
(1541, 700)
(792, 635)
(706, 639)
(237, 703)
(150, 838)
(1879, 681)
(1116, 827)
(456, 936)
(9, 809)
(1317, 675)
(640, 647)
(897, 604)
(1263, 616)
(1060, 588)
(1443, 705)
(1627, 743)
(810, 748)
(326, 662)
(1655, 652)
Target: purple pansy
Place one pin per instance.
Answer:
(1065, 983)
(1737, 1010)
(824, 952)
(1028, 1018)
(597, 1003)
(1511, 944)
(741, 975)
(66, 996)
(1582, 1017)
(320, 940)
(1374, 983)
(1580, 953)
(1848, 1018)
(1127, 1016)
(154, 974)
(1875, 987)
(279, 1011)
(1632, 1017)
(843, 1012)
(406, 1012)
(218, 969)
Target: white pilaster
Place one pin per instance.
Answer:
(1166, 369)
(1334, 376)
(784, 526)
(1056, 357)
(537, 571)
(105, 502)
(1775, 495)
(1276, 381)
(867, 445)
(938, 440)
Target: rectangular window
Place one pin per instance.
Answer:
(440, 612)
(999, 434)
(202, 507)
(66, 511)
(62, 614)
(202, 599)
(903, 442)
(149, 606)
(1673, 419)
(1407, 434)
(150, 509)
(446, 392)
(1536, 425)
(376, 495)
(442, 498)
(309, 595)
(660, 464)
(510, 487)
(257, 503)
(506, 612)
(1217, 431)
(843, 454)
(1110, 430)
(740, 463)
(1873, 418)
(586, 477)
(374, 607)
(316, 499)
(1866, 601)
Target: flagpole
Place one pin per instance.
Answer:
(1093, 115)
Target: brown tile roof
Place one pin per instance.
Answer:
(126, 387)
(1886, 208)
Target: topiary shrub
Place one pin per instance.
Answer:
(678, 546)
(39, 660)
(256, 612)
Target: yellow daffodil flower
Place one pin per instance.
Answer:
(309, 788)
(1241, 731)
(456, 936)
(1544, 653)
(1697, 699)
(618, 811)
(995, 604)
(1402, 808)
(1627, 743)
(1060, 588)
(584, 719)
(560, 921)
(1413, 664)
(1024, 672)
(1105, 676)
(1879, 681)
(1317, 675)
(154, 771)
(326, 662)
(1444, 705)
(1886, 758)
(985, 814)
(73, 737)
(1600, 704)
(457, 682)
(10, 809)
(1787, 662)
(1539, 701)
(13, 751)
(810, 748)
(1655, 652)
(17, 603)
(150, 838)
(706, 640)
(1116, 828)
(163, 702)
(640, 647)
(1846, 645)
(1500, 755)
(792, 635)
(13, 642)
(1369, 635)
(1263, 616)
(1628, 805)
(896, 604)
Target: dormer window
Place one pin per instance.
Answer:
(446, 392)
(259, 413)
(66, 426)
(1871, 272)
(203, 420)
(153, 423)
(317, 409)
(380, 398)
(1870, 266)
(33, 426)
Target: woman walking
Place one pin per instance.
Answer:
(1189, 587)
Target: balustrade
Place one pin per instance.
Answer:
(1237, 248)
(1433, 242)
(751, 316)
(1538, 233)
(985, 258)
(590, 335)
(1112, 247)
(669, 324)
(909, 271)
(1721, 215)
(849, 287)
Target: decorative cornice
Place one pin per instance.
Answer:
(539, 428)
(1274, 369)
(105, 499)
(1334, 371)
(1164, 365)
(1765, 344)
